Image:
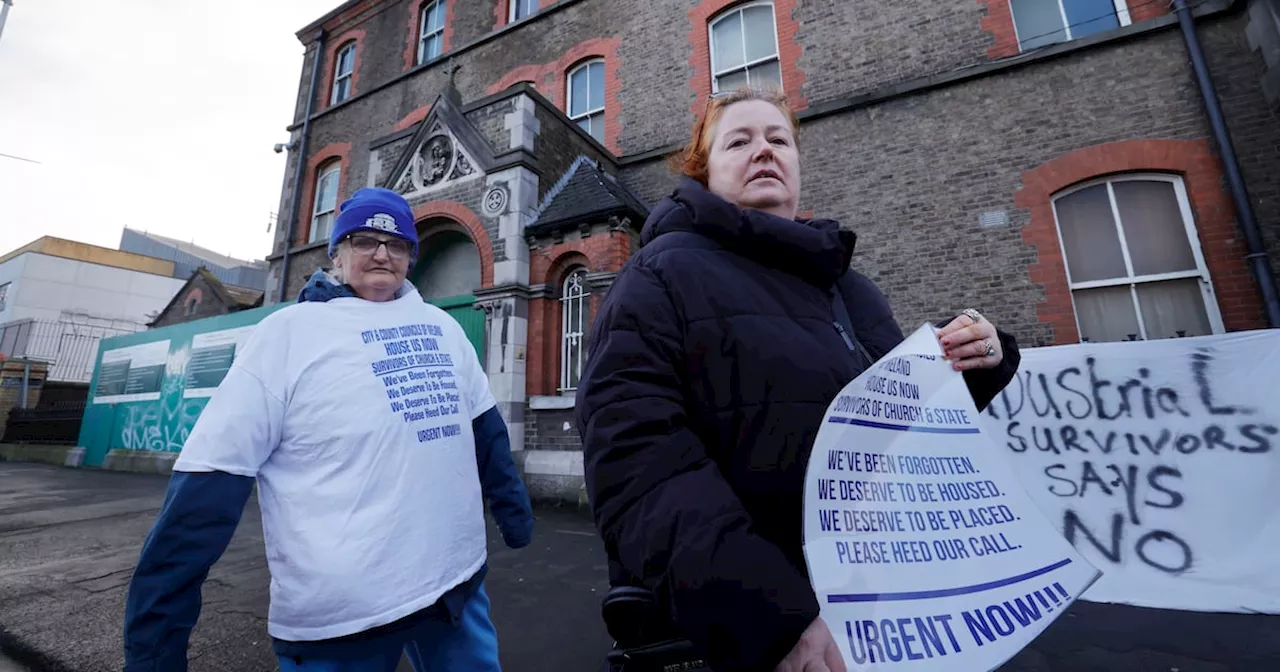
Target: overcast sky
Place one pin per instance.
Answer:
(156, 114)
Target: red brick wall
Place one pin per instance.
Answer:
(598, 253)
(550, 78)
(1221, 242)
(331, 63)
(412, 118)
(464, 216)
(338, 150)
(788, 50)
(999, 22)
(336, 23)
(538, 74)
(415, 27)
(1141, 10)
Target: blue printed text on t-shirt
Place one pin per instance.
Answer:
(419, 380)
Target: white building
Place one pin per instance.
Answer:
(58, 298)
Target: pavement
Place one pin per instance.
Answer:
(69, 539)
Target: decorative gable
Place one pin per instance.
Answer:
(445, 150)
(436, 162)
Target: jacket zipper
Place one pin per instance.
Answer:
(845, 335)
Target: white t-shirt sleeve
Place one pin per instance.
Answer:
(473, 380)
(241, 425)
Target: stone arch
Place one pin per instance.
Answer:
(462, 216)
(454, 260)
(562, 263)
(448, 261)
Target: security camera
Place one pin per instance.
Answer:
(280, 146)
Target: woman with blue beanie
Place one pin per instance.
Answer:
(364, 417)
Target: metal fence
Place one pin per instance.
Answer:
(69, 344)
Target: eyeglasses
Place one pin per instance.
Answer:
(368, 245)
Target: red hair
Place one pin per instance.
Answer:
(692, 160)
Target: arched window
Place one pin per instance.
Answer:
(430, 31)
(1133, 260)
(326, 201)
(574, 323)
(744, 48)
(343, 69)
(586, 97)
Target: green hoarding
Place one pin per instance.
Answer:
(148, 388)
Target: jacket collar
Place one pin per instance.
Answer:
(322, 286)
(817, 250)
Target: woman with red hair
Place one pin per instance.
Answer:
(712, 361)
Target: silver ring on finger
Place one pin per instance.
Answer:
(972, 314)
(991, 349)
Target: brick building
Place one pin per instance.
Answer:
(205, 295)
(982, 149)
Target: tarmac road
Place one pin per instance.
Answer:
(69, 539)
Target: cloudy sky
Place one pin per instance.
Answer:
(153, 114)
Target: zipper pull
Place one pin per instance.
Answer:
(845, 335)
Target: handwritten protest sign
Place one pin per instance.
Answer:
(924, 551)
(1158, 460)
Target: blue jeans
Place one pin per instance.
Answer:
(471, 645)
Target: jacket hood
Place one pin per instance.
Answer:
(815, 249)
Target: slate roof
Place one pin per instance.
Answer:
(234, 297)
(586, 192)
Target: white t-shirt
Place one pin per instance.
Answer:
(355, 418)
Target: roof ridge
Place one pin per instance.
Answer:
(560, 184)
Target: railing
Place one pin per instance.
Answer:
(69, 344)
(55, 424)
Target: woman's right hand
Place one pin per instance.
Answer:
(816, 651)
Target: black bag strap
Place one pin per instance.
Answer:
(843, 322)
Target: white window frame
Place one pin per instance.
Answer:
(339, 76)
(511, 10)
(423, 35)
(1122, 14)
(568, 95)
(777, 48)
(1201, 271)
(334, 169)
(573, 334)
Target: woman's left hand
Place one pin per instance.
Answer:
(970, 342)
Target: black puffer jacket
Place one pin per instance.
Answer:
(712, 361)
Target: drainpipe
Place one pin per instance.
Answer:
(301, 173)
(1257, 255)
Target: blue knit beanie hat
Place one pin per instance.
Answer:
(375, 209)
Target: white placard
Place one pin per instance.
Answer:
(133, 373)
(1158, 460)
(212, 354)
(924, 550)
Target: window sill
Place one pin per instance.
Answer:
(551, 402)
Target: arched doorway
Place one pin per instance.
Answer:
(446, 273)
